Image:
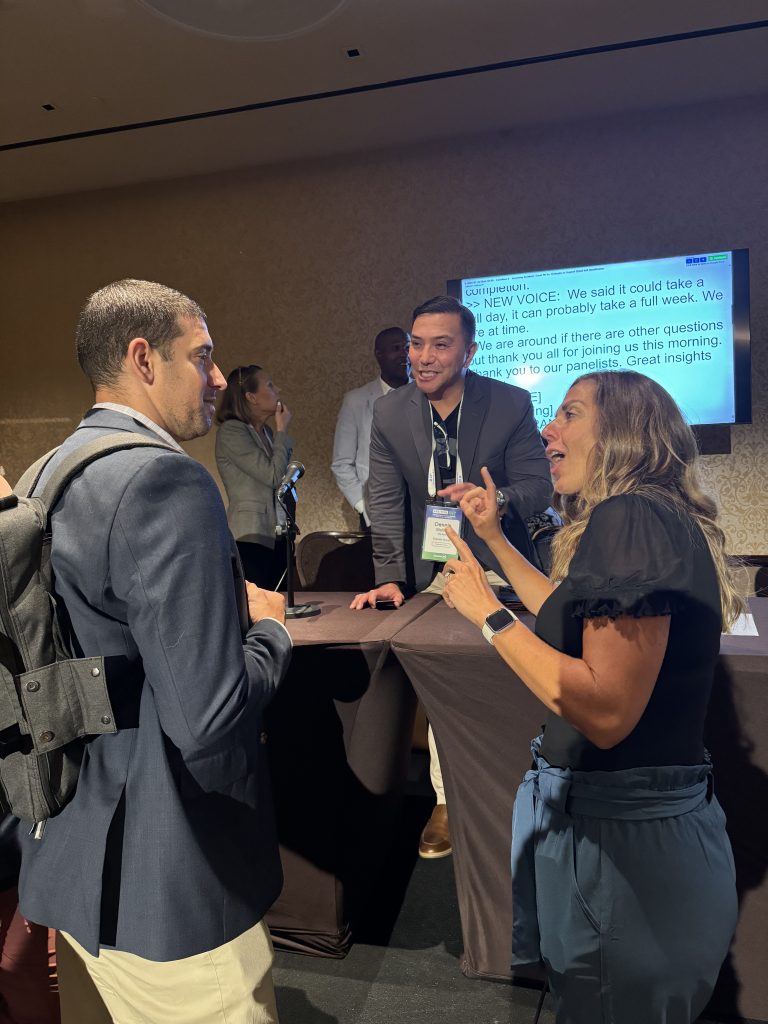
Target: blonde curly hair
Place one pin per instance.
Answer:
(644, 447)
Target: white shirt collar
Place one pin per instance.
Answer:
(385, 388)
(126, 410)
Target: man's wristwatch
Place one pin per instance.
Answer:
(497, 622)
(501, 501)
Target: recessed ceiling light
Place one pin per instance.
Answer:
(245, 19)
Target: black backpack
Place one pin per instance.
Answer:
(50, 702)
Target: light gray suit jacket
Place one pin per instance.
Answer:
(168, 847)
(251, 479)
(352, 440)
(498, 430)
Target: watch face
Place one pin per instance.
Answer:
(500, 620)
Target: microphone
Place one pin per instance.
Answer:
(294, 472)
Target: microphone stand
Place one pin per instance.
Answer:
(287, 502)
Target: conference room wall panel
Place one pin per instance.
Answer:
(299, 266)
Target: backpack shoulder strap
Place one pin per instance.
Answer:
(77, 460)
(29, 478)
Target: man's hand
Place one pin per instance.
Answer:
(386, 592)
(264, 604)
(455, 492)
(282, 416)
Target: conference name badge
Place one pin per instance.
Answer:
(435, 546)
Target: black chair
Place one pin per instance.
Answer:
(542, 542)
(761, 581)
(328, 560)
(542, 528)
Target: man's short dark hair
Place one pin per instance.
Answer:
(128, 309)
(447, 304)
(389, 334)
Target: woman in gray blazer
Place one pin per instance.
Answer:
(252, 460)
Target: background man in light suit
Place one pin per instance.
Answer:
(353, 426)
(447, 411)
(167, 851)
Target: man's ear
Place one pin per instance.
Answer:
(140, 360)
(470, 353)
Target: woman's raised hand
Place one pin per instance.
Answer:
(480, 507)
(282, 416)
(466, 586)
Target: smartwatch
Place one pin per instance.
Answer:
(497, 622)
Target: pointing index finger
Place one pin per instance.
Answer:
(465, 554)
(490, 486)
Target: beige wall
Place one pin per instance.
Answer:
(298, 267)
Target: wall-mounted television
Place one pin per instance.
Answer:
(683, 320)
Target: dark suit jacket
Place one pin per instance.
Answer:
(498, 430)
(168, 847)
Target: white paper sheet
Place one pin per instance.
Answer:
(743, 626)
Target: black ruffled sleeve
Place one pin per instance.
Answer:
(634, 559)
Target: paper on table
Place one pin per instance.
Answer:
(743, 626)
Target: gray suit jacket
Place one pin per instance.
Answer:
(168, 848)
(251, 479)
(352, 440)
(498, 430)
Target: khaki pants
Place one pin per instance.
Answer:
(435, 771)
(228, 985)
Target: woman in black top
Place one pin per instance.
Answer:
(623, 879)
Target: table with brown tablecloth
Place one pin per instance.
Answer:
(484, 719)
(339, 737)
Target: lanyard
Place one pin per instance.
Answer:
(431, 478)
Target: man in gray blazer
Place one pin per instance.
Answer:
(159, 871)
(429, 440)
(353, 426)
(495, 426)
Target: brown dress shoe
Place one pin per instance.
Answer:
(436, 839)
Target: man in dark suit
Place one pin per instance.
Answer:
(159, 871)
(429, 441)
